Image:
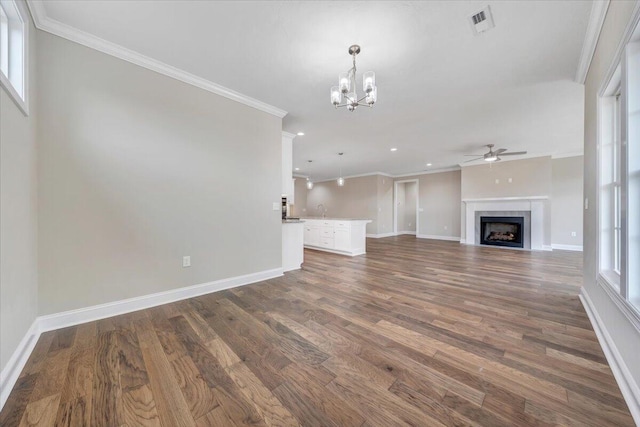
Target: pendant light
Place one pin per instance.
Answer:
(340, 179)
(309, 182)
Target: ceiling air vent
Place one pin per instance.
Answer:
(481, 21)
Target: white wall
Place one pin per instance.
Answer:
(566, 201)
(622, 332)
(18, 216)
(136, 170)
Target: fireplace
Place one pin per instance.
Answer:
(502, 231)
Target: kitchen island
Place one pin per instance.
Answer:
(344, 236)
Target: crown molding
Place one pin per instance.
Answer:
(594, 27)
(44, 23)
(567, 154)
(288, 135)
(429, 172)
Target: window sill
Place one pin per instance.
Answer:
(8, 87)
(629, 311)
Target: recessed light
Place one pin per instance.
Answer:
(297, 169)
(428, 164)
(300, 133)
(394, 149)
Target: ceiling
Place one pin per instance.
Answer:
(442, 91)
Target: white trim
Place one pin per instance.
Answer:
(429, 172)
(501, 199)
(101, 311)
(411, 233)
(44, 23)
(567, 154)
(545, 248)
(577, 248)
(17, 361)
(628, 387)
(289, 135)
(381, 235)
(594, 27)
(22, 102)
(433, 236)
(395, 203)
(335, 251)
(356, 176)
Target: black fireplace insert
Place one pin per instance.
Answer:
(502, 231)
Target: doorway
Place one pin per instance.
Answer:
(405, 207)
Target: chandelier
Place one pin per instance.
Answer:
(347, 87)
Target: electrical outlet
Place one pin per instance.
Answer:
(186, 261)
(510, 180)
(574, 234)
(497, 181)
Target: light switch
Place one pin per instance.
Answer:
(586, 203)
(510, 180)
(186, 261)
(574, 234)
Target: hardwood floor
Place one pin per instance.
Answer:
(417, 332)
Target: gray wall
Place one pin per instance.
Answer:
(439, 201)
(385, 205)
(406, 199)
(566, 200)
(136, 170)
(622, 332)
(18, 216)
(300, 195)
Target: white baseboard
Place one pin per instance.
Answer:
(411, 233)
(381, 235)
(433, 236)
(577, 248)
(11, 371)
(628, 386)
(101, 311)
(18, 359)
(546, 248)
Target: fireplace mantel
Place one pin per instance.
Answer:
(533, 204)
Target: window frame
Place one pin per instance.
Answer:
(19, 97)
(619, 287)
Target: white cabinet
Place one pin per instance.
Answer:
(341, 236)
(287, 166)
(311, 235)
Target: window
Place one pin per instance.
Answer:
(13, 55)
(619, 180)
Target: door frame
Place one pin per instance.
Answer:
(395, 203)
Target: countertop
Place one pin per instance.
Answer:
(292, 221)
(335, 219)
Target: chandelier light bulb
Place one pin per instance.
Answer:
(368, 81)
(336, 96)
(372, 96)
(309, 184)
(344, 82)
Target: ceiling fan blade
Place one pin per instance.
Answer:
(473, 160)
(474, 155)
(500, 150)
(514, 153)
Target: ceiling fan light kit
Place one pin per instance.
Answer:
(346, 94)
(494, 156)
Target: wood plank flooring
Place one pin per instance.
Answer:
(417, 332)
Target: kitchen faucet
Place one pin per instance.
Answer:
(322, 209)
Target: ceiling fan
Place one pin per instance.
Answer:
(494, 156)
